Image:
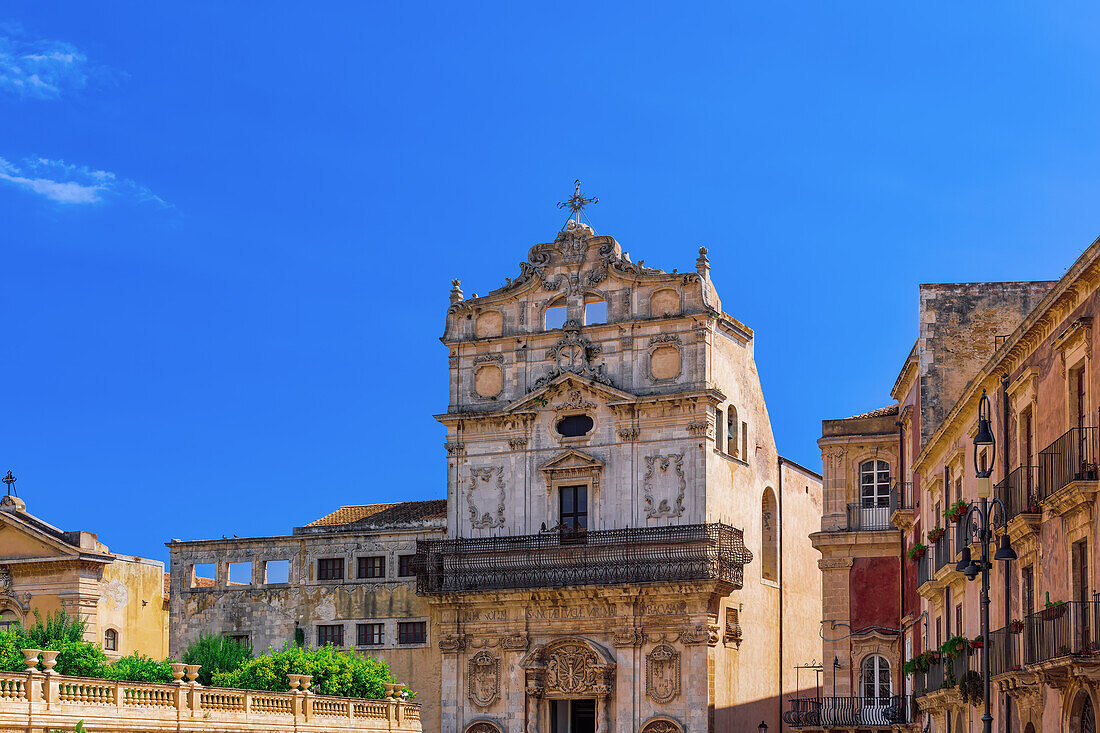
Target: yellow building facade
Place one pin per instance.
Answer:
(45, 569)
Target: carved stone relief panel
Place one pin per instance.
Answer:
(488, 380)
(661, 726)
(484, 677)
(488, 324)
(486, 488)
(483, 726)
(662, 673)
(664, 362)
(664, 302)
(664, 485)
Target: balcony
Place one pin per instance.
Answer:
(1066, 630)
(901, 505)
(603, 557)
(1073, 457)
(869, 516)
(863, 712)
(1020, 492)
(925, 569)
(943, 551)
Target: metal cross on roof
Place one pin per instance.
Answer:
(576, 204)
(10, 481)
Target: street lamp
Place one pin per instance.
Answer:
(983, 526)
(763, 726)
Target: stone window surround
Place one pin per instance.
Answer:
(221, 570)
(592, 488)
(389, 632)
(853, 487)
(719, 446)
(1022, 394)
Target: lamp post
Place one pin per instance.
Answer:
(763, 727)
(984, 523)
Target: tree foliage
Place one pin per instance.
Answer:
(334, 672)
(216, 653)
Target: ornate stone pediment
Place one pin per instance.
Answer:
(560, 389)
(570, 667)
(572, 464)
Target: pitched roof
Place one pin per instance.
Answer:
(402, 512)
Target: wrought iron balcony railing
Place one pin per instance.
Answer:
(1005, 649)
(602, 557)
(869, 516)
(901, 497)
(1066, 629)
(943, 550)
(925, 569)
(863, 712)
(1020, 491)
(1073, 457)
(948, 671)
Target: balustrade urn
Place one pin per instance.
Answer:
(295, 680)
(390, 690)
(305, 680)
(178, 670)
(49, 660)
(30, 658)
(193, 673)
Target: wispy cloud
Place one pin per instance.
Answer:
(39, 68)
(65, 183)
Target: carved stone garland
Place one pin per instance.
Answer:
(486, 520)
(661, 726)
(675, 462)
(484, 676)
(662, 673)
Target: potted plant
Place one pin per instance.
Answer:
(1016, 626)
(1033, 505)
(916, 552)
(1052, 609)
(977, 642)
(954, 645)
(955, 512)
(935, 534)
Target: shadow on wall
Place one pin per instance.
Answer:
(747, 717)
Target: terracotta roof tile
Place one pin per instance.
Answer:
(382, 514)
(880, 412)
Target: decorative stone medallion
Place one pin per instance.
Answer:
(484, 675)
(662, 673)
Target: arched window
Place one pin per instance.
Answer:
(554, 315)
(595, 310)
(874, 484)
(8, 618)
(769, 537)
(719, 425)
(110, 640)
(874, 681)
(731, 431)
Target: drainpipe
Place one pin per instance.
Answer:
(901, 544)
(779, 697)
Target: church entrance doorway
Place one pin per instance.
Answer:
(573, 716)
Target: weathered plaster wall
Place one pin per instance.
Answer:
(131, 602)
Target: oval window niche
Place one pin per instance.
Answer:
(574, 426)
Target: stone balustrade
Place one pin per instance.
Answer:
(35, 701)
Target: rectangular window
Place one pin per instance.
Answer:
(277, 571)
(1080, 571)
(744, 441)
(330, 634)
(330, 568)
(405, 567)
(368, 634)
(1027, 590)
(242, 639)
(939, 632)
(718, 426)
(372, 567)
(573, 510)
(240, 573)
(1079, 415)
(959, 620)
(202, 575)
(412, 632)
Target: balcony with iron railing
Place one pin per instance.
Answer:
(1070, 458)
(1019, 491)
(870, 515)
(861, 712)
(943, 550)
(603, 557)
(1063, 630)
(901, 505)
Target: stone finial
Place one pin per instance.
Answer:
(456, 292)
(702, 265)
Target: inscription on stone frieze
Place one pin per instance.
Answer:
(492, 614)
(552, 613)
(665, 608)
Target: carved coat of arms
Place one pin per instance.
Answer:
(484, 678)
(572, 668)
(663, 673)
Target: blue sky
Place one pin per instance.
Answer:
(228, 230)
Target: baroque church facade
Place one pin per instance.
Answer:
(625, 549)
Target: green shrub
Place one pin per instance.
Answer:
(79, 659)
(11, 651)
(139, 668)
(58, 628)
(58, 632)
(216, 653)
(334, 672)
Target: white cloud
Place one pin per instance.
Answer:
(65, 183)
(38, 67)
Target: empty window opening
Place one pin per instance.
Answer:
(718, 426)
(412, 632)
(574, 426)
(368, 634)
(555, 315)
(330, 568)
(372, 567)
(240, 573)
(277, 571)
(110, 640)
(202, 575)
(595, 311)
(244, 640)
(330, 634)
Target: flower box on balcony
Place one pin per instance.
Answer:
(1016, 627)
(977, 642)
(956, 511)
(916, 552)
(1054, 611)
(934, 535)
